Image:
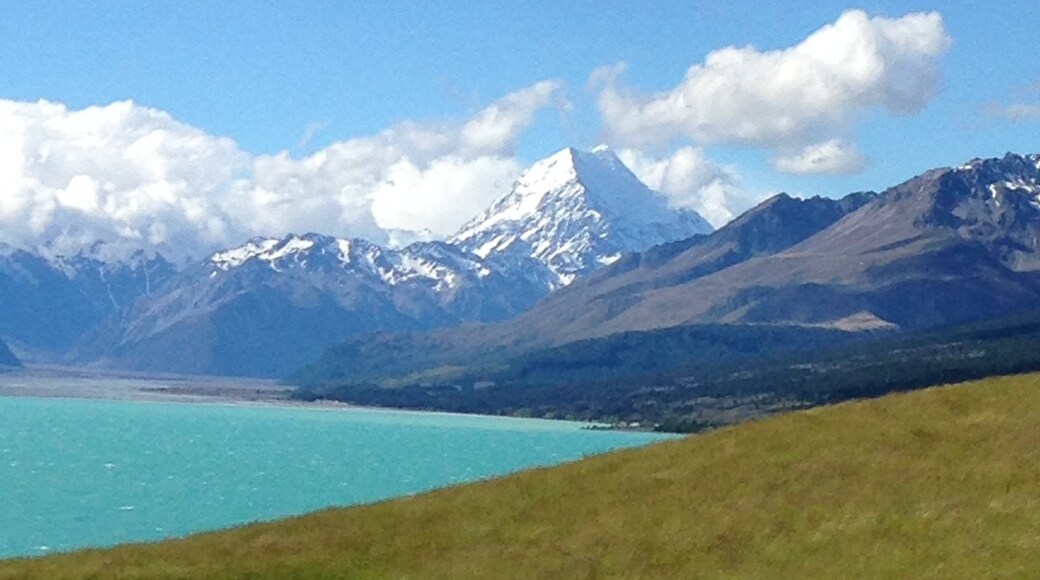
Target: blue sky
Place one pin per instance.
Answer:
(298, 77)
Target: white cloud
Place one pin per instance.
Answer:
(413, 198)
(409, 177)
(113, 173)
(1016, 112)
(834, 157)
(135, 177)
(690, 180)
(787, 99)
(496, 128)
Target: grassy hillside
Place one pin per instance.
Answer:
(939, 483)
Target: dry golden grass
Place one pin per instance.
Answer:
(942, 483)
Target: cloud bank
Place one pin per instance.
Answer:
(135, 177)
(117, 173)
(801, 103)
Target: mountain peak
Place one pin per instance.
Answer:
(575, 211)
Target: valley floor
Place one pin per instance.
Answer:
(938, 483)
(86, 383)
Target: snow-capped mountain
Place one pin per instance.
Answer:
(435, 264)
(442, 273)
(270, 305)
(575, 212)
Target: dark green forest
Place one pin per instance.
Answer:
(697, 377)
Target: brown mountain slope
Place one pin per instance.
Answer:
(948, 246)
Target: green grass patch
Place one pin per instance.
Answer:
(938, 483)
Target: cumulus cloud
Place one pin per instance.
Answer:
(113, 173)
(690, 180)
(135, 177)
(835, 156)
(788, 99)
(436, 197)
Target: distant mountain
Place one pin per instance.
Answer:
(47, 303)
(7, 358)
(271, 305)
(952, 245)
(266, 307)
(575, 212)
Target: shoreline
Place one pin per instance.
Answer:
(46, 382)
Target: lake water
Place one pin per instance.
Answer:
(76, 473)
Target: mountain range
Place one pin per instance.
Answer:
(271, 305)
(949, 246)
(578, 250)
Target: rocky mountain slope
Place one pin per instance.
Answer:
(48, 303)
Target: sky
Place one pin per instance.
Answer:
(188, 127)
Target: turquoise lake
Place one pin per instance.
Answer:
(77, 473)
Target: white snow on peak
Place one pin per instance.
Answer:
(568, 214)
(344, 251)
(235, 257)
(439, 264)
(1031, 187)
(574, 212)
(270, 250)
(294, 245)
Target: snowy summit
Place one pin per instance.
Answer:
(576, 211)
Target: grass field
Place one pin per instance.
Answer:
(940, 483)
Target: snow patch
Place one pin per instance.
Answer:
(235, 257)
